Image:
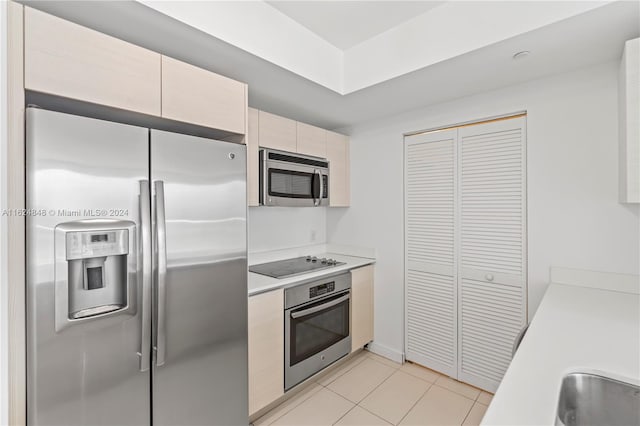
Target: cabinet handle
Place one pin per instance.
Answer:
(489, 277)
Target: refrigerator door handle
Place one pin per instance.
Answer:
(144, 205)
(161, 289)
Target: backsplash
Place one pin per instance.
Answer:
(276, 228)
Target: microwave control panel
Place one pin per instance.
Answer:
(321, 289)
(325, 186)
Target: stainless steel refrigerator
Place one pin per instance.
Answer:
(136, 275)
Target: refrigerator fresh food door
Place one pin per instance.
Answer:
(87, 352)
(200, 281)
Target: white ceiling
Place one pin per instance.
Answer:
(347, 23)
(450, 29)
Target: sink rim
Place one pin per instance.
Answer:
(633, 383)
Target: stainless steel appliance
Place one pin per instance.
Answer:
(136, 275)
(291, 267)
(316, 324)
(296, 180)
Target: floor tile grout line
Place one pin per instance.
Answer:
(364, 355)
(469, 412)
(395, 366)
(465, 384)
(418, 377)
(346, 371)
(387, 378)
(377, 386)
(415, 403)
(289, 410)
(386, 365)
(452, 391)
(374, 414)
(398, 370)
(348, 411)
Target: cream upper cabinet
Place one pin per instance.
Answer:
(194, 95)
(252, 158)
(266, 349)
(277, 132)
(339, 174)
(284, 134)
(312, 140)
(361, 307)
(66, 59)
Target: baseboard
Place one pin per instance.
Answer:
(386, 352)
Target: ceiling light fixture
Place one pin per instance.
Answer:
(521, 55)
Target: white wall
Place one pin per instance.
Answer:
(4, 299)
(275, 228)
(574, 218)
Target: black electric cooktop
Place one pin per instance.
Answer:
(296, 266)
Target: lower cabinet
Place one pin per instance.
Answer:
(266, 336)
(266, 349)
(361, 307)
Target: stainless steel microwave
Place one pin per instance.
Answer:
(295, 180)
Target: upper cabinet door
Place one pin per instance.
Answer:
(339, 174)
(194, 95)
(66, 59)
(312, 140)
(276, 132)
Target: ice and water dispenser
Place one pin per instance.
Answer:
(95, 269)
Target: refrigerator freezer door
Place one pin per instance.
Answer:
(85, 174)
(201, 329)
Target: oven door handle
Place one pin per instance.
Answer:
(319, 308)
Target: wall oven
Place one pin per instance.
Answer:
(295, 180)
(317, 329)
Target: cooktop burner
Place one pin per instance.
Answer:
(295, 266)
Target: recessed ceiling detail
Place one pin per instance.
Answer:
(347, 23)
(391, 40)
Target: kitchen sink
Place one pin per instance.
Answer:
(590, 399)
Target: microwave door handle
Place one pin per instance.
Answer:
(320, 177)
(318, 308)
(316, 201)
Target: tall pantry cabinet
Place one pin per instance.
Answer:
(465, 248)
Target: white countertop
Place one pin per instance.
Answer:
(261, 283)
(575, 329)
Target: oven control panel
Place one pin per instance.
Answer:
(316, 290)
(321, 289)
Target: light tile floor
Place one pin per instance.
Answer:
(369, 390)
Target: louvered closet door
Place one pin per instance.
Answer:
(492, 265)
(430, 204)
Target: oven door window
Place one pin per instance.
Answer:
(319, 330)
(293, 184)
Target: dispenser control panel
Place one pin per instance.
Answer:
(85, 244)
(95, 260)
